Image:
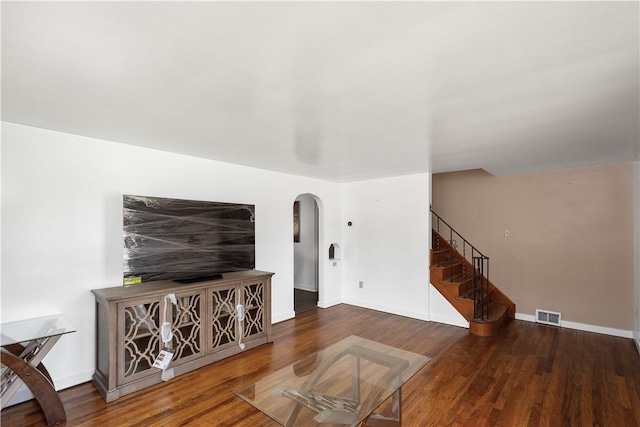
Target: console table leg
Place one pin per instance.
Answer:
(40, 386)
(19, 350)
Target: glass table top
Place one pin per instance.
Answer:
(28, 330)
(340, 385)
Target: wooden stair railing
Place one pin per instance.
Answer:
(452, 273)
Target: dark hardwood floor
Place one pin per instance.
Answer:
(304, 300)
(526, 375)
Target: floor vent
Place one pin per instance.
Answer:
(547, 317)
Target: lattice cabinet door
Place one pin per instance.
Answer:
(139, 325)
(223, 331)
(186, 325)
(254, 301)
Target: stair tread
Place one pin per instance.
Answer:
(447, 264)
(459, 279)
(461, 284)
(454, 259)
(469, 294)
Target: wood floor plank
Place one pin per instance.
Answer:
(526, 375)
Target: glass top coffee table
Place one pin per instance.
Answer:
(343, 384)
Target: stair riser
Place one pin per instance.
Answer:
(467, 292)
(450, 272)
(466, 286)
(442, 257)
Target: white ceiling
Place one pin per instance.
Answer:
(340, 91)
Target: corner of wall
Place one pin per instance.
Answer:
(2, 124)
(636, 250)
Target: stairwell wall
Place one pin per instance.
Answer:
(571, 239)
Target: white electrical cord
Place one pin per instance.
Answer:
(240, 311)
(165, 356)
(165, 329)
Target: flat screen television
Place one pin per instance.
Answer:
(185, 240)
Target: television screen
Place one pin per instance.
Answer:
(173, 239)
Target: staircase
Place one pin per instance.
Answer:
(460, 273)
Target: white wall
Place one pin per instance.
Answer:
(62, 226)
(305, 251)
(387, 247)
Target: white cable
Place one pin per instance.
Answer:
(165, 330)
(166, 335)
(240, 311)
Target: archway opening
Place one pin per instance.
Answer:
(306, 230)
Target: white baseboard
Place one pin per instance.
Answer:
(390, 310)
(23, 394)
(463, 324)
(282, 317)
(327, 304)
(450, 321)
(277, 318)
(582, 326)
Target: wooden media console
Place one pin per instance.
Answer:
(208, 320)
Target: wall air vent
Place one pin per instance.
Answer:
(547, 317)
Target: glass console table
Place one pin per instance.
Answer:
(341, 385)
(24, 345)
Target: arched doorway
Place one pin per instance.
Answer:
(306, 253)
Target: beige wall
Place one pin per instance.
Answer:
(571, 243)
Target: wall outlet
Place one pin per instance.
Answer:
(361, 284)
